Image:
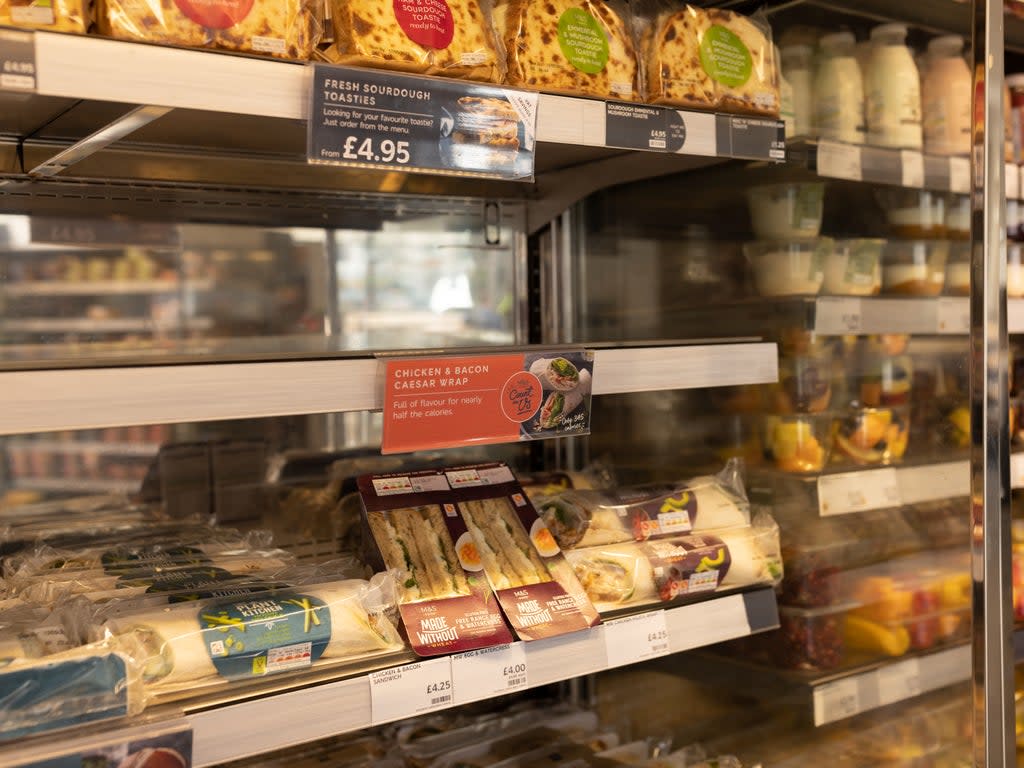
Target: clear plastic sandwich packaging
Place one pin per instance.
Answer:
(286, 29)
(578, 47)
(50, 678)
(707, 58)
(460, 537)
(452, 38)
(52, 15)
(658, 544)
(191, 647)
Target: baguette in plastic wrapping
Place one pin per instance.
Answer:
(286, 29)
(52, 15)
(185, 645)
(580, 47)
(453, 38)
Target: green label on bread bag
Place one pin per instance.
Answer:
(724, 57)
(265, 634)
(582, 41)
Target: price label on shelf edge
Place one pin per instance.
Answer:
(912, 168)
(489, 672)
(899, 681)
(836, 701)
(636, 638)
(839, 161)
(954, 315)
(409, 690)
(858, 491)
(17, 61)
(372, 119)
(837, 315)
(960, 175)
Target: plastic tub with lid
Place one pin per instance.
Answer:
(892, 90)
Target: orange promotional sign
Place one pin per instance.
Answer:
(443, 402)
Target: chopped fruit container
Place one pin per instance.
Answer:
(798, 443)
(871, 435)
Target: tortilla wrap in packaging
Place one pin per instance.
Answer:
(186, 645)
(663, 569)
(579, 518)
(46, 589)
(79, 685)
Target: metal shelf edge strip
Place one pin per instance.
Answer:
(263, 725)
(70, 399)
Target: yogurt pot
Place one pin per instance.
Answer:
(784, 211)
(854, 268)
(788, 267)
(914, 267)
(1014, 271)
(914, 213)
(958, 271)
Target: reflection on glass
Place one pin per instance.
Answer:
(88, 289)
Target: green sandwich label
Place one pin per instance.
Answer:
(582, 41)
(724, 57)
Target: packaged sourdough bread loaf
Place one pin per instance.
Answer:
(709, 59)
(580, 47)
(54, 15)
(453, 38)
(287, 29)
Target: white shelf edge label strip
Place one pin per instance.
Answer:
(839, 161)
(413, 689)
(636, 638)
(858, 492)
(489, 672)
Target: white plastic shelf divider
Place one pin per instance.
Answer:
(890, 683)
(69, 399)
(77, 485)
(261, 725)
(838, 315)
(84, 446)
(103, 288)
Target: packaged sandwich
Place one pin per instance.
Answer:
(580, 47)
(591, 518)
(75, 686)
(508, 541)
(637, 573)
(52, 15)
(445, 606)
(186, 645)
(286, 29)
(45, 588)
(453, 38)
(710, 58)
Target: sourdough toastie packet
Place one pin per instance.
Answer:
(418, 533)
(511, 545)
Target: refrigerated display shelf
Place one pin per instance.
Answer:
(897, 167)
(105, 325)
(88, 398)
(843, 315)
(103, 288)
(83, 446)
(77, 485)
(842, 490)
(830, 697)
(248, 722)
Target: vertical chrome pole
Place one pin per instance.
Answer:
(992, 646)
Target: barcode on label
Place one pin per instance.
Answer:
(440, 700)
(514, 681)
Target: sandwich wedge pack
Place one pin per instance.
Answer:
(445, 607)
(485, 531)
